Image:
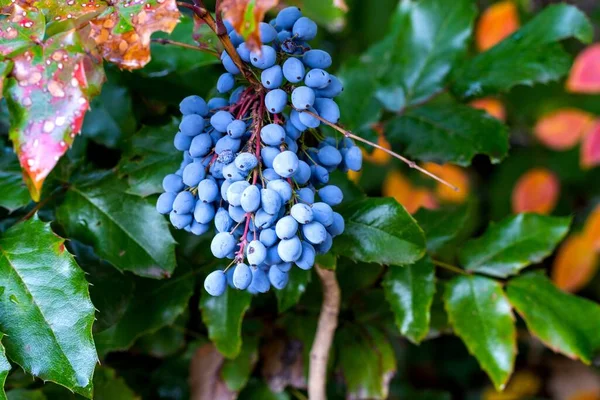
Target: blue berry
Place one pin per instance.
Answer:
(293, 70)
(331, 195)
(265, 58)
(164, 204)
(287, 17)
(278, 278)
(215, 283)
(182, 142)
(193, 105)
(193, 173)
(180, 221)
(303, 98)
(314, 232)
(229, 64)
(272, 77)
(317, 59)
(305, 29)
(286, 164)
(256, 252)
(191, 125)
(286, 227)
(353, 158)
(204, 212)
(222, 244)
(221, 120)
(307, 259)
(290, 250)
(276, 100)
(242, 276)
(267, 32)
(317, 78)
(250, 201)
(246, 162)
(173, 183)
(184, 203)
(236, 129)
(302, 213)
(268, 237)
(225, 83)
(272, 134)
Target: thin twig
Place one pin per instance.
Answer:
(450, 267)
(185, 45)
(408, 162)
(328, 320)
(45, 201)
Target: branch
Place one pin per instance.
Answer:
(328, 320)
(201, 12)
(184, 45)
(405, 160)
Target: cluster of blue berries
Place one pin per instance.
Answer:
(254, 165)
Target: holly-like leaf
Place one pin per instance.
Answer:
(23, 28)
(236, 373)
(123, 30)
(536, 191)
(409, 290)
(124, 229)
(585, 76)
(154, 304)
(13, 192)
(290, 295)
(514, 243)
(245, 16)
(530, 55)
(415, 59)
(4, 369)
(565, 323)
(48, 94)
(45, 307)
(152, 156)
(590, 148)
(379, 231)
(575, 264)
(223, 317)
(562, 129)
(482, 317)
(367, 361)
(448, 132)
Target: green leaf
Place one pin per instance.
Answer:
(13, 192)
(416, 57)
(24, 394)
(367, 361)
(481, 316)
(258, 389)
(107, 386)
(379, 231)
(514, 243)
(530, 55)
(223, 317)
(124, 229)
(327, 261)
(445, 225)
(289, 296)
(448, 132)
(236, 373)
(327, 14)
(565, 323)
(154, 304)
(4, 369)
(409, 290)
(45, 307)
(167, 58)
(111, 117)
(164, 342)
(151, 157)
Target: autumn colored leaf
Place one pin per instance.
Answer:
(22, 29)
(496, 23)
(563, 128)
(585, 73)
(378, 156)
(575, 264)
(48, 93)
(123, 30)
(399, 187)
(590, 148)
(536, 191)
(245, 16)
(592, 228)
(57, 11)
(493, 107)
(456, 176)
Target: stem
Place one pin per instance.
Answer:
(201, 12)
(450, 267)
(408, 162)
(184, 45)
(328, 320)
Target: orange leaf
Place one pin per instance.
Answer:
(400, 188)
(590, 148)
(575, 263)
(496, 23)
(378, 156)
(123, 30)
(354, 176)
(245, 16)
(592, 228)
(585, 73)
(492, 106)
(562, 129)
(536, 191)
(456, 176)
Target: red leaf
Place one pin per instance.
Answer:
(562, 129)
(496, 23)
(536, 191)
(123, 30)
(590, 148)
(48, 94)
(575, 263)
(245, 16)
(22, 29)
(585, 73)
